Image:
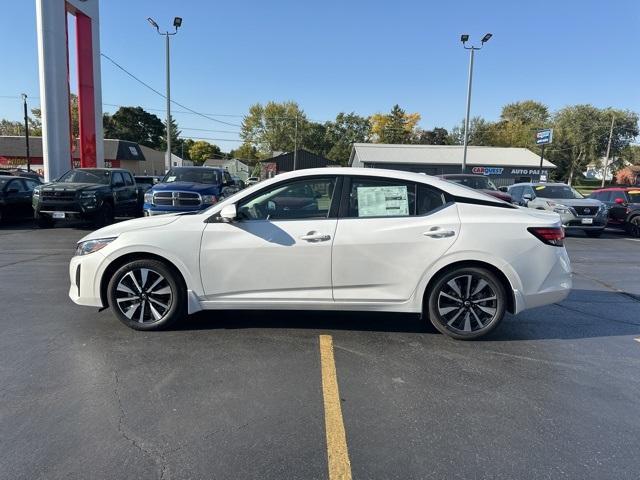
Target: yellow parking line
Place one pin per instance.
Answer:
(337, 453)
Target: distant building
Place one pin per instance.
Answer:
(504, 165)
(284, 162)
(234, 166)
(138, 159)
(595, 170)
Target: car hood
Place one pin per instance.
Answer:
(71, 187)
(185, 187)
(576, 202)
(129, 225)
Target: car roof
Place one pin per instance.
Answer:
(616, 189)
(461, 175)
(532, 184)
(440, 183)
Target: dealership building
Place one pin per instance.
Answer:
(138, 159)
(503, 165)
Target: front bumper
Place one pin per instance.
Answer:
(149, 210)
(577, 222)
(84, 286)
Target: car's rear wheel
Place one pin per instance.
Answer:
(634, 226)
(467, 302)
(147, 295)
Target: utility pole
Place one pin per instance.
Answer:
(177, 22)
(464, 39)
(26, 131)
(606, 158)
(295, 145)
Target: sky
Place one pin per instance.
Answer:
(350, 55)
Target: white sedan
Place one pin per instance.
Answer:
(331, 239)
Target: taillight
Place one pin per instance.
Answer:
(549, 235)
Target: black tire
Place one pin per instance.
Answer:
(104, 216)
(43, 221)
(634, 226)
(594, 233)
(141, 312)
(462, 316)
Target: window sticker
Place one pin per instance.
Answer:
(171, 179)
(541, 187)
(383, 201)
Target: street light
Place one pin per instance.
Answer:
(177, 23)
(464, 39)
(26, 130)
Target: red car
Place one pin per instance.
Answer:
(624, 207)
(477, 182)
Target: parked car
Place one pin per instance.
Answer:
(252, 181)
(188, 189)
(145, 182)
(478, 182)
(15, 197)
(95, 194)
(372, 239)
(21, 172)
(239, 183)
(624, 207)
(576, 211)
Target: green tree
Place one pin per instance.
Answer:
(274, 127)
(480, 132)
(343, 132)
(201, 151)
(315, 139)
(176, 141)
(245, 152)
(437, 136)
(396, 126)
(136, 125)
(9, 127)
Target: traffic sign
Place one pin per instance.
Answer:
(544, 137)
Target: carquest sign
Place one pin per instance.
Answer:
(487, 170)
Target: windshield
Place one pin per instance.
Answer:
(477, 183)
(86, 176)
(193, 175)
(556, 191)
(634, 196)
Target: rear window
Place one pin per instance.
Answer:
(634, 196)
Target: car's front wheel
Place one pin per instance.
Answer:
(466, 303)
(147, 295)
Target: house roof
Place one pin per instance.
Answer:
(381, 153)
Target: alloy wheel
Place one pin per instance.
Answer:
(467, 303)
(143, 295)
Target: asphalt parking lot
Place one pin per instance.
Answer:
(553, 393)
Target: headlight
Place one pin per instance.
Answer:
(88, 195)
(209, 199)
(36, 192)
(148, 197)
(90, 246)
(558, 208)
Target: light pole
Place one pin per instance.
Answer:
(464, 39)
(26, 130)
(177, 22)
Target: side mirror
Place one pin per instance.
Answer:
(527, 197)
(13, 190)
(504, 189)
(619, 201)
(118, 185)
(228, 212)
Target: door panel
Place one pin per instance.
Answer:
(262, 260)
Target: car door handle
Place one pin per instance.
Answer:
(437, 232)
(314, 236)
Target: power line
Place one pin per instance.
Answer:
(164, 96)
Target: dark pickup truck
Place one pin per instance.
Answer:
(94, 194)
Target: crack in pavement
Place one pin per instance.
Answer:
(159, 457)
(632, 296)
(31, 259)
(599, 317)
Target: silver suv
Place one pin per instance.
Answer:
(576, 211)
